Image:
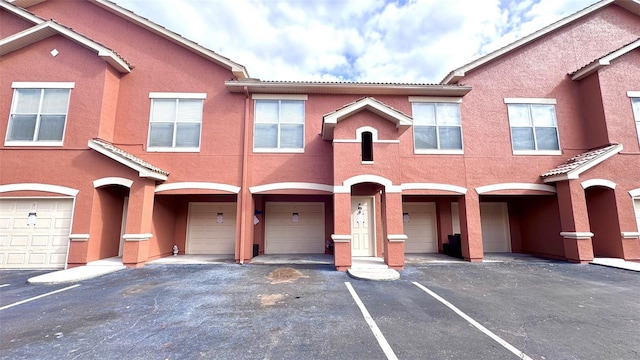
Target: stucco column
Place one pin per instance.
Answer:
(630, 234)
(342, 231)
(574, 219)
(445, 225)
(471, 227)
(139, 223)
(393, 230)
(79, 238)
(245, 227)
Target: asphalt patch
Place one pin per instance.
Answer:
(284, 275)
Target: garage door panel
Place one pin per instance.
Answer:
(208, 236)
(421, 229)
(283, 236)
(41, 246)
(495, 227)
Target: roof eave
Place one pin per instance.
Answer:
(575, 173)
(257, 86)
(527, 39)
(142, 171)
(17, 9)
(238, 70)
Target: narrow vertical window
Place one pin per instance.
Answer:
(367, 146)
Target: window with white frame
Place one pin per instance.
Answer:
(38, 113)
(279, 124)
(176, 121)
(437, 126)
(534, 128)
(635, 103)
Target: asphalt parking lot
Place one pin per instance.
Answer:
(537, 310)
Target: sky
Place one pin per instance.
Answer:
(399, 41)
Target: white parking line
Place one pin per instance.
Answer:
(38, 297)
(386, 348)
(486, 331)
(4, 285)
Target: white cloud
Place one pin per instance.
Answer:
(354, 40)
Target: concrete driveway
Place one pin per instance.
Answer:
(536, 310)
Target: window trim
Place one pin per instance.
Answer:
(436, 100)
(175, 96)
(635, 95)
(533, 101)
(16, 85)
(280, 98)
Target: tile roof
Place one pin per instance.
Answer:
(576, 165)
(124, 157)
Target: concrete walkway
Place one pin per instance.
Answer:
(365, 268)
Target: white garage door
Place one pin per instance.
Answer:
(286, 233)
(420, 227)
(42, 245)
(212, 228)
(637, 204)
(495, 227)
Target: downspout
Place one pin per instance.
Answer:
(245, 164)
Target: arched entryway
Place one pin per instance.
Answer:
(604, 222)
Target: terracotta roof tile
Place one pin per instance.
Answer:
(583, 160)
(128, 156)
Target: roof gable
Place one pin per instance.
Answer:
(129, 160)
(238, 70)
(456, 75)
(599, 63)
(572, 168)
(49, 28)
(400, 119)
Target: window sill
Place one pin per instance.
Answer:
(179, 150)
(33, 143)
(437, 152)
(279, 151)
(367, 163)
(537, 152)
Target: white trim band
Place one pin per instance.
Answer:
(79, 237)
(137, 237)
(598, 182)
(39, 187)
(42, 85)
(177, 95)
(397, 237)
(630, 234)
(516, 186)
(434, 186)
(302, 97)
(112, 181)
(543, 101)
(584, 235)
(633, 94)
(341, 238)
(292, 186)
(434, 99)
(197, 185)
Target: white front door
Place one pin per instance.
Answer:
(495, 227)
(362, 227)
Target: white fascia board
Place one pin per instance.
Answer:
(238, 70)
(20, 12)
(605, 61)
(435, 99)
(42, 85)
(291, 185)
(280, 97)
(142, 171)
(457, 74)
(515, 186)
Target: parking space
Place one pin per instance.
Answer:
(546, 310)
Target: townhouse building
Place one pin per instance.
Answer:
(123, 139)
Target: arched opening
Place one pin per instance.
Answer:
(110, 205)
(604, 222)
(367, 146)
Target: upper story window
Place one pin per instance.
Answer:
(366, 146)
(279, 123)
(437, 126)
(176, 121)
(38, 113)
(635, 103)
(534, 128)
